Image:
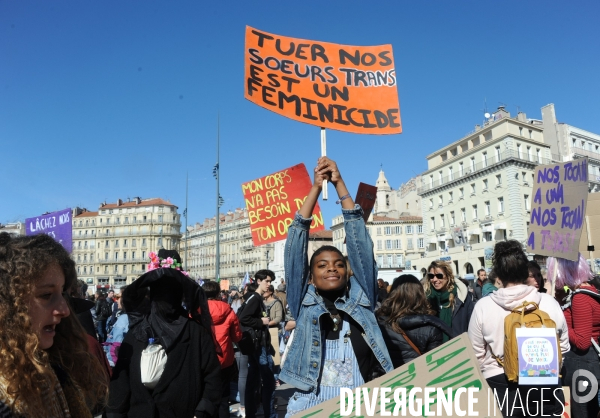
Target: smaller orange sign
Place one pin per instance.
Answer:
(272, 202)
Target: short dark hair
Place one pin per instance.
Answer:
(323, 249)
(479, 271)
(263, 274)
(251, 287)
(211, 289)
(510, 262)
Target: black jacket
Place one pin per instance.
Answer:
(425, 331)
(190, 385)
(252, 314)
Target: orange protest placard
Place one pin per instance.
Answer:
(272, 202)
(342, 87)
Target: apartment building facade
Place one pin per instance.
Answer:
(477, 190)
(568, 143)
(237, 252)
(111, 245)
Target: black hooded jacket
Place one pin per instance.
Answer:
(425, 331)
(190, 384)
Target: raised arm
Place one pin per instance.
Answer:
(358, 240)
(296, 248)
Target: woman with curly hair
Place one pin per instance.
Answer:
(450, 298)
(45, 367)
(407, 322)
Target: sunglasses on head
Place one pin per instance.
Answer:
(430, 276)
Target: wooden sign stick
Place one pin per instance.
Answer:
(324, 154)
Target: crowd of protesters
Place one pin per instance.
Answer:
(166, 346)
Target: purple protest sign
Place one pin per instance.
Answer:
(56, 224)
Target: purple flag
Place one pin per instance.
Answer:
(56, 224)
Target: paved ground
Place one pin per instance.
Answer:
(282, 394)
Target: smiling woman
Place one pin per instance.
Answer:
(45, 367)
(337, 341)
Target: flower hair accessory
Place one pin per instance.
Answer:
(169, 262)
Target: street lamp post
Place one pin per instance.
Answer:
(219, 204)
(267, 259)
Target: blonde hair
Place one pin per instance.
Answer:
(447, 269)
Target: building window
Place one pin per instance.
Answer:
(431, 180)
(463, 215)
(432, 223)
(421, 243)
(125, 268)
(530, 134)
(398, 244)
(378, 230)
(409, 243)
(475, 212)
(398, 230)
(160, 218)
(116, 269)
(450, 173)
(430, 203)
(529, 155)
(461, 193)
(408, 229)
(442, 221)
(441, 200)
(519, 150)
(526, 202)
(484, 159)
(441, 177)
(116, 243)
(499, 180)
(143, 255)
(539, 155)
(106, 256)
(389, 260)
(472, 164)
(419, 229)
(399, 260)
(461, 169)
(450, 194)
(497, 154)
(500, 205)
(487, 236)
(487, 208)
(388, 230)
(452, 218)
(388, 244)
(143, 242)
(379, 245)
(133, 242)
(485, 184)
(124, 255)
(379, 261)
(116, 256)
(472, 188)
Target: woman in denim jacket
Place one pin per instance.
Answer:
(337, 341)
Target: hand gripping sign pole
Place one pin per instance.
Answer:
(324, 154)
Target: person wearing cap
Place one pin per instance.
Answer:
(408, 324)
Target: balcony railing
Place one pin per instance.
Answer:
(489, 162)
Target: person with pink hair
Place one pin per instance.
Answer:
(582, 313)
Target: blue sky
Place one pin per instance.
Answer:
(101, 100)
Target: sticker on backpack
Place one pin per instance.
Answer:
(538, 356)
